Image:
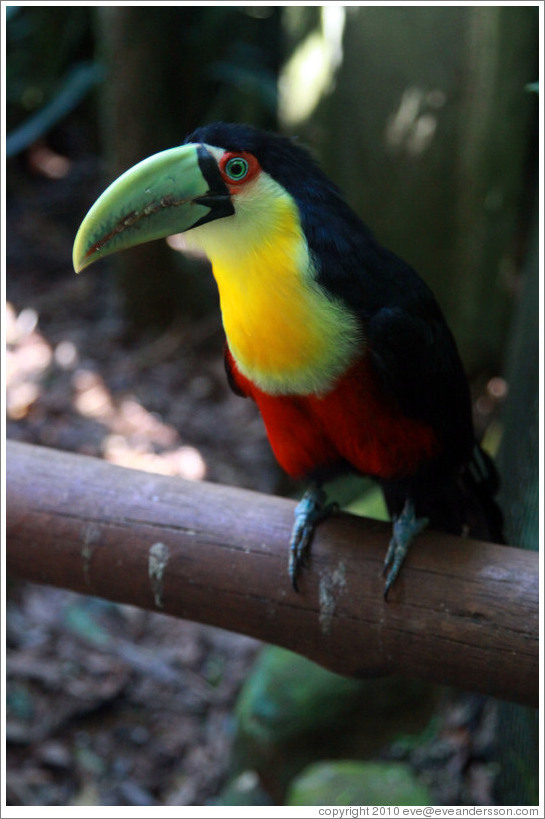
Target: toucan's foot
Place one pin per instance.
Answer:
(406, 527)
(310, 510)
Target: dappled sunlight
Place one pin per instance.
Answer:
(66, 355)
(411, 128)
(28, 356)
(134, 432)
(185, 461)
(46, 162)
(133, 437)
(310, 72)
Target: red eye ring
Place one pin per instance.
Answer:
(238, 168)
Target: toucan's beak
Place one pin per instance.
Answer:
(169, 192)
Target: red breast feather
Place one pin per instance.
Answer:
(354, 422)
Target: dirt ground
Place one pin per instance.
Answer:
(107, 704)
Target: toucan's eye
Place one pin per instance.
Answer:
(236, 168)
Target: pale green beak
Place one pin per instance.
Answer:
(170, 192)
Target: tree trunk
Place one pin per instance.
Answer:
(518, 730)
(145, 110)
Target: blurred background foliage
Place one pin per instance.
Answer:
(419, 114)
(422, 116)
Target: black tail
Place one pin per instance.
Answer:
(463, 505)
(479, 483)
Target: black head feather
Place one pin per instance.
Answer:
(291, 165)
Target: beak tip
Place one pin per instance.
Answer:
(80, 255)
(79, 262)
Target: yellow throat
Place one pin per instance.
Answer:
(285, 333)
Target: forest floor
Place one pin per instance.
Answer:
(108, 704)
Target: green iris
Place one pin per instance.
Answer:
(237, 168)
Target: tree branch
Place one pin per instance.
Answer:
(462, 612)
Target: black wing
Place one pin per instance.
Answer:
(411, 347)
(417, 362)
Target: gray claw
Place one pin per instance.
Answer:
(310, 510)
(406, 527)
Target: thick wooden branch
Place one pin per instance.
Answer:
(462, 612)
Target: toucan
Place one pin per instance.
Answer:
(339, 342)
